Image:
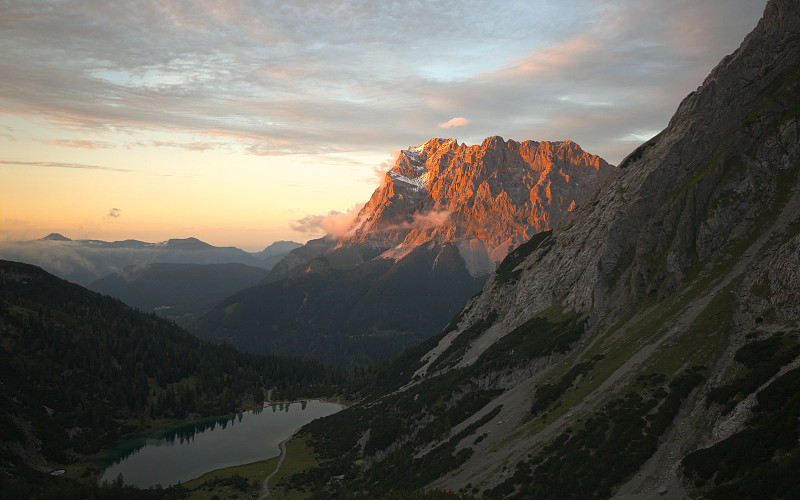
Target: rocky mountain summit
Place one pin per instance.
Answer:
(427, 240)
(648, 346)
(487, 198)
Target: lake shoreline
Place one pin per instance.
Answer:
(285, 443)
(235, 440)
(299, 457)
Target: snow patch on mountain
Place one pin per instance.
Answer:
(416, 183)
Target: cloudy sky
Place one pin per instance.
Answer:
(229, 119)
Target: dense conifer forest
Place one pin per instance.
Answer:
(80, 370)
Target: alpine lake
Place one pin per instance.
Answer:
(185, 452)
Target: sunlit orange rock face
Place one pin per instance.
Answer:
(484, 198)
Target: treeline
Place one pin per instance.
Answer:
(23, 483)
(81, 369)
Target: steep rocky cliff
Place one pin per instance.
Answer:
(426, 241)
(646, 347)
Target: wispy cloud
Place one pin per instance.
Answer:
(283, 77)
(48, 164)
(9, 135)
(454, 122)
(80, 143)
(189, 146)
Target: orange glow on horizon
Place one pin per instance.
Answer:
(225, 198)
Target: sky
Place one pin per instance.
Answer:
(230, 120)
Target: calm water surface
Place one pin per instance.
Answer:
(192, 449)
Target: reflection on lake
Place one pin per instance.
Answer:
(187, 451)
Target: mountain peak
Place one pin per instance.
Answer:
(55, 237)
(434, 143)
(499, 193)
(493, 142)
(278, 248)
(188, 244)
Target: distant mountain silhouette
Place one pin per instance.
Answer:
(85, 261)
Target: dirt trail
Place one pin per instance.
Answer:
(265, 488)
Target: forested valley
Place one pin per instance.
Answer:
(80, 370)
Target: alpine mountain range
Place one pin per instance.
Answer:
(505, 320)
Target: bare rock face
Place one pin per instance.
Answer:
(489, 197)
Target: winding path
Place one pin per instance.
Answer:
(265, 488)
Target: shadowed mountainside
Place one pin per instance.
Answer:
(181, 292)
(647, 347)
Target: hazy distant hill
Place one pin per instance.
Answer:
(425, 242)
(180, 292)
(85, 261)
(275, 252)
(647, 347)
(301, 255)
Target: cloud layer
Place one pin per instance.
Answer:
(335, 223)
(455, 122)
(281, 77)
